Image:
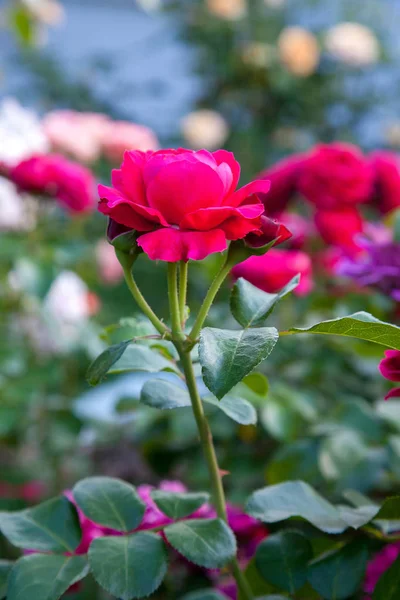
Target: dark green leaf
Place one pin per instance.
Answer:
(299, 459)
(109, 502)
(251, 306)
(51, 527)
(238, 409)
(295, 499)
(129, 566)
(227, 356)
(45, 577)
(141, 358)
(5, 570)
(360, 325)
(178, 505)
(337, 575)
(388, 585)
(103, 363)
(282, 560)
(207, 543)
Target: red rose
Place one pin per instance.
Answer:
(53, 175)
(183, 203)
(386, 170)
(272, 271)
(340, 227)
(336, 175)
(390, 369)
(284, 177)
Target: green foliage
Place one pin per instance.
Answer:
(338, 574)
(251, 306)
(178, 505)
(5, 570)
(208, 543)
(204, 595)
(360, 325)
(141, 358)
(130, 566)
(282, 560)
(103, 363)
(45, 577)
(227, 356)
(49, 527)
(109, 502)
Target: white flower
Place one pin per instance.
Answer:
(67, 299)
(298, 51)
(17, 213)
(205, 129)
(21, 133)
(230, 10)
(353, 44)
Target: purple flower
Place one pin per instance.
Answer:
(377, 266)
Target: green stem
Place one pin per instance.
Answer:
(175, 315)
(212, 462)
(209, 299)
(142, 303)
(183, 278)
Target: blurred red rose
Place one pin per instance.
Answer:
(70, 183)
(272, 271)
(340, 227)
(390, 369)
(386, 170)
(183, 203)
(336, 175)
(284, 177)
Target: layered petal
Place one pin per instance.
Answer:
(173, 245)
(209, 218)
(183, 187)
(224, 157)
(390, 365)
(260, 186)
(269, 230)
(128, 213)
(394, 393)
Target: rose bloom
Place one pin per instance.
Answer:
(118, 136)
(340, 228)
(182, 203)
(70, 183)
(298, 51)
(284, 177)
(390, 369)
(272, 271)
(386, 170)
(76, 134)
(336, 175)
(353, 44)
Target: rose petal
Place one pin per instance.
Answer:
(209, 218)
(172, 245)
(223, 156)
(128, 213)
(254, 187)
(394, 393)
(132, 177)
(183, 187)
(270, 230)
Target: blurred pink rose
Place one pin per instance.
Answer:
(386, 169)
(284, 177)
(119, 136)
(272, 271)
(109, 267)
(390, 369)
(70, 183)
(381, 562)
(302, 229)
(77, 134)
(336, 175)
(340, 228)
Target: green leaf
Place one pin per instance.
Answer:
(129, 566)
(109, 502)
(52, 526)
(388, 585)
(227, 356)
(387, 518)
(208, 543)
(251, 306)
(162, 394)
(5, 570)
(337, 575)
(360, 325)
(299, 459)
(141, 358)
(204, 595)
(45, 576)
(103, 363)
(295, 499)
(282, 560)
(178, 505)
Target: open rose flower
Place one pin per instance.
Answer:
(182, 203)
(386, 169)
(336, 175)
(70, 183)
(272, 271)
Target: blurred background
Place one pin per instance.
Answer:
(265, 79)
